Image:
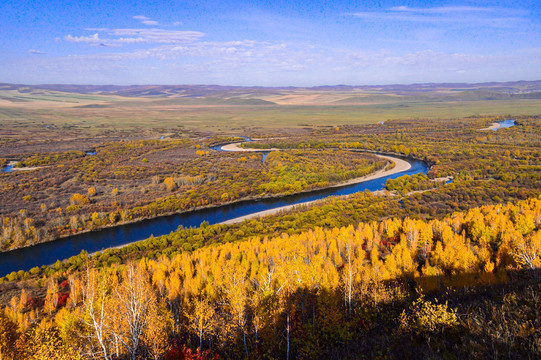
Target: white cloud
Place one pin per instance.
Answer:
(83, 39)
(266, 63)
(443, 9)
(158, 35)
(291, 60)
(213, 57)
(145, 20)
(36, 52)
(187, 47)
(137, 36)
(464, 15)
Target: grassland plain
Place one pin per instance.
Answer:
(226, 110)
(226, 118)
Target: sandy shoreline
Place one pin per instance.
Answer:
(235, 147)
(12, 163)
(400, 165)
(267, 212)
(494, 126)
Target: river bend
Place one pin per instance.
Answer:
(50, 252)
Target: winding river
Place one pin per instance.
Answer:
(50, 252)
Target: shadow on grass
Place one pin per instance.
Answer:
(501, 320)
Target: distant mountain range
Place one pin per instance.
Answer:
(460, 91)
(98, 96)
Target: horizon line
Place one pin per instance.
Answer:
(279, 86)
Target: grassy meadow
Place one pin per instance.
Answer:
(228, 112)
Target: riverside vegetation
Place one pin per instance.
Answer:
(127, 181)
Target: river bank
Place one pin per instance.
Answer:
(399, 166)
(11, 167)
(236, 148)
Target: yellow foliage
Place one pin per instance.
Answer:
(79, 199)
(8, 335)
(46, 344)
(426, 316)
(455, 255)
(170, 184)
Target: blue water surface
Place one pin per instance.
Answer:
(7, 168)
(505, 124)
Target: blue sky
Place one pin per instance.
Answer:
(268, 43)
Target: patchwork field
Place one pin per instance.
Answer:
(224, 109)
